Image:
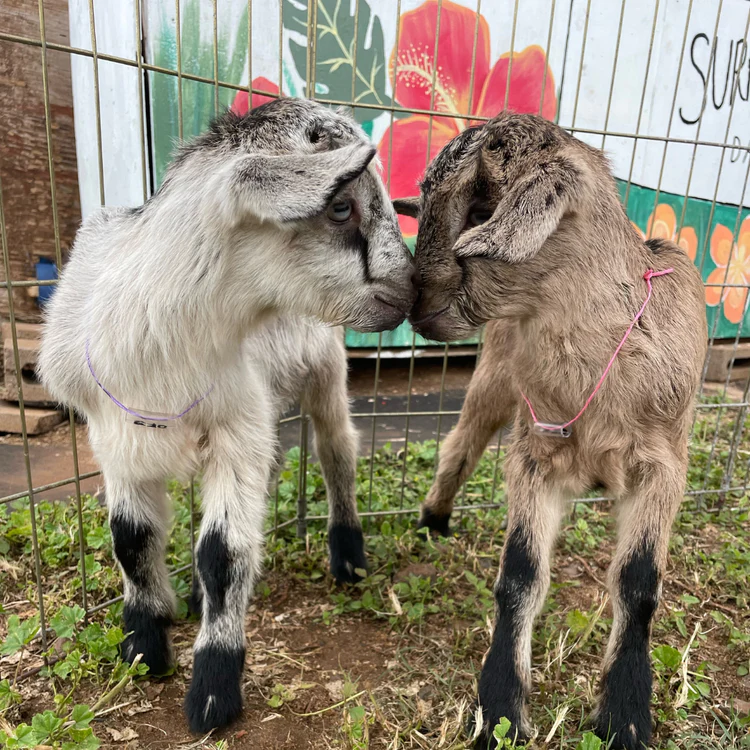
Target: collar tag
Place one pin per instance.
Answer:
(154, 421)
(551, 430)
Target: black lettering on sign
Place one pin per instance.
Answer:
(703, 79)
(726, 80)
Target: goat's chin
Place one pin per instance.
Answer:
(376, 323)
(376, 315)
(446, 327)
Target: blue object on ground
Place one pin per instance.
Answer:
(46, 270)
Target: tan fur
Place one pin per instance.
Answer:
(558, 272)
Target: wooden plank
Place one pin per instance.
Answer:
(29, 331)
(37, 420)
(33, 391)
(723, 356)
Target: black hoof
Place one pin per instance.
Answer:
(623, 716)
(149, 636)
(486, 740)
(195, 602)
(434, 523)
(630, 730)
(346, 546)
(215, 695)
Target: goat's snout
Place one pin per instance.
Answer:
(395, 298)
(403, 290)
(411, 288)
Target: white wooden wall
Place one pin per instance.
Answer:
(120, 110)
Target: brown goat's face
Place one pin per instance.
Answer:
(489, 201)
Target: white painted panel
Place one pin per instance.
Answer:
(686, 169)
(118, 101)
(584, 78)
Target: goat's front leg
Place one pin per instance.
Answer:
(138, 515)
(325, 399)
(229, 556)
(535, 507)
(635, 576)
(489, 405)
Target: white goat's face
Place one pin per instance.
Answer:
(294, 184)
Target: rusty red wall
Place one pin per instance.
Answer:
(23, 144)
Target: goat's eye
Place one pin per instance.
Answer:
(478, 216)
(340, 211)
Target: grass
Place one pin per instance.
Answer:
(426, 605)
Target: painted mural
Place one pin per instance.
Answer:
(464, 65)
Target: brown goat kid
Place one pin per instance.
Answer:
(521, 225)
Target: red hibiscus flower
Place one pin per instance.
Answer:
(455, 89)
(239, 105)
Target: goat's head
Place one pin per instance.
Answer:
(294, 185)
(490, 200)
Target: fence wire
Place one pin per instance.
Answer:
(728, 455)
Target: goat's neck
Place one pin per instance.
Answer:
(584, 304)
(193, 303)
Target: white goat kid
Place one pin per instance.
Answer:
(194, 305)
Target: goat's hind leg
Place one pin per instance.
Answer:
(325, 399)
(490, 404)
(635, 575)
(138, 514)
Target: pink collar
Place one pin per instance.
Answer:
(563, 430)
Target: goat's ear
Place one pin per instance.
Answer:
(407, 206)
(526, 215)
(290, 187)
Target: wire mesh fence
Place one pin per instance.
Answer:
(720, 453)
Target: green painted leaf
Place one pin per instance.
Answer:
(681, 627)
(339, 47)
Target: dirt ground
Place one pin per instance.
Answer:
(305, 668)
(411, 674)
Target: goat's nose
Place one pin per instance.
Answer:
(416, 280)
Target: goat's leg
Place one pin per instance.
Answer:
(490, 404)
(195, 603)
(138, 515)
(635, 577)
(535, 508)
(325, 398)
(229, 556)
